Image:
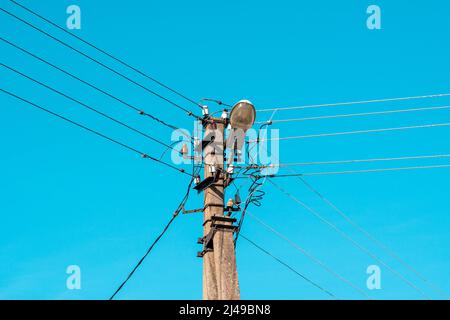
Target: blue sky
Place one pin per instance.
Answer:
(70, 198)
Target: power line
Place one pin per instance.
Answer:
(289, 267)
(362, 114)
(432, 125)
(308, 255)
(143, 258)
(218, 102)
(102, 64)
(176, 213)
(144, 155)
(88, 107)
(366, 233)
(348, 237)
(130, 106)
(105, 52)
(316, 163)
(355, 102)
(326, 173)
(370, 236)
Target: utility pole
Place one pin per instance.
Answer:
(220, 278)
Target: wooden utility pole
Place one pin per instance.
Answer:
(220, 279)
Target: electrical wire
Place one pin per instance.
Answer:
(219, 102)
(255, 196)
(87, 106)
(143, 155)
(432, 125)
(105, 52)
(130, 106)
(325, 173)
(355, 102)
(176, 213)
(308, 255)
(362, 114)
(189, 113)
(143, 258)
(366, 233)
(317, 163)
(372, 238)
(349, 238)
(289, 267)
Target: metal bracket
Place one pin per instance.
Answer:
(207, 243)
(192, 211)
(217, 223)
(208, 181)
(202, 253)
(214, 219)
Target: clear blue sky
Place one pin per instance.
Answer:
(70, 198)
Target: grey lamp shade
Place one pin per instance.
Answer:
(243, 115)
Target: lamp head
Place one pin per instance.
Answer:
(242, 115)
